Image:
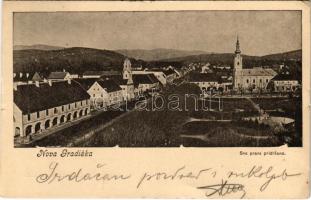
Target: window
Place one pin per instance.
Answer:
(93, 95)
(75, 104)
(28, 116)
(47, 112)
(260, 80)
(254, 81)
(55, 110)
(267, 80)
(247, 81)
(69, 106)
(63, 108)
(81, 103)
(38, 114)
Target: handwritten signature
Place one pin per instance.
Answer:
(223, 189)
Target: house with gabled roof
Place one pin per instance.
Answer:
(104, 93)
(285, 82)
(39, 107)
(145, 82)
(57, 76)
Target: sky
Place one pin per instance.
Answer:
(260, 32)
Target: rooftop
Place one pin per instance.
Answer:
(284, 76)
(201, 77)
(258, 71)
(57, 75)
(30, 98)
(109, 85)
(101, 73)
(144, 79)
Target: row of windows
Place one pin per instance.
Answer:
(254, 80)
(55, 110)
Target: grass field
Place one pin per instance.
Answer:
(165, 128)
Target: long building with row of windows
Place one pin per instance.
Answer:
(41, 106)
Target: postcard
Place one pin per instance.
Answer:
(155, 99)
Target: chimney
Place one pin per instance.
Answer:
(45, 80)
(20, 74)
(27, 75)
(37, 83)
(14, 75)
(15, 86)
(107, 78)
(50, 82)
(69, 81)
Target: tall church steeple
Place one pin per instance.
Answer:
(237, 57)
(237, 48)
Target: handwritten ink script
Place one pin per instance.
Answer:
(233, 182)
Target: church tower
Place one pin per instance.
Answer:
(237, 66)
(237, 57)
(127, 71)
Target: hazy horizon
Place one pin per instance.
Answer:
(260, 32)
(158, 49)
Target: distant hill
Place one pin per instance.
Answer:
(78, 59)
(157, 54)
(295, 55)
(37, 47)
(74, 60)
(248, 61)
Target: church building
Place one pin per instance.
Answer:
(250, 79)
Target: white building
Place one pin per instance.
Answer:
(144, 83)
(105, 93)
(124, 80)
(42, 106)
(249, 79)
(284, 82)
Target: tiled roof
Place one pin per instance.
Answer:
(85, 83)
(284, 77)
(57, 75)
(101, 73)
(144, 79)
(117, 78)
(30, 98)
(202, 77)
(109, 85)
(258, 72)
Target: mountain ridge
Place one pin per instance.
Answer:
(157, 54)
(79, 59)
(37, 47)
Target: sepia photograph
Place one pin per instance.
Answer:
(155, 99)
(208, 78)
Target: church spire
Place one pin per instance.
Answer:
(237, 49)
